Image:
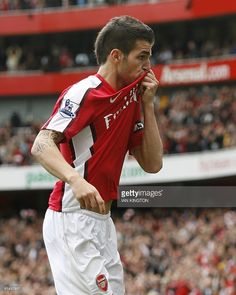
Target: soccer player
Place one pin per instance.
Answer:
(95, 122)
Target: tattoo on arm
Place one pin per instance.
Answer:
(46, 139)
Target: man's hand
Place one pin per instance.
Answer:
(87, 195)
(149, 87)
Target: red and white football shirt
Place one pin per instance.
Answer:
(100, 125)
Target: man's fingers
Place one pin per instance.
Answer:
(87, 202)
(151, 79)
(93, 201)
(101, 204)
(90, 201)
(82, 203)
(150, 83)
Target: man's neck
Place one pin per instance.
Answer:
(110, 75)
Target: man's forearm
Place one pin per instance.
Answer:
(149, 153)
(152, 148)
(46, 152)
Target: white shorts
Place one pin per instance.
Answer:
(82, 251)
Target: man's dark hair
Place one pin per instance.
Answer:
(122, 33)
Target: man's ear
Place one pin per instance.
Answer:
(116, 55)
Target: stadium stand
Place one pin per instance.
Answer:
(164, 251)
(55, 52)
(181, 252)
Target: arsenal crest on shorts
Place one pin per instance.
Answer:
(102, 283)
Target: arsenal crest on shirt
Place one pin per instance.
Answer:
(102, 283)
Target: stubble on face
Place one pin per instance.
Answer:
(136, 62)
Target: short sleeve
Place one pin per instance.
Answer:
(69, 115)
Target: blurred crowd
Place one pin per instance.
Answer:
(52, 56)
(164, 252)
(192, 120)
(185, 252)
(197, 119)
(16, 139)
(24, 267)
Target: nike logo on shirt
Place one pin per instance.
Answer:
(113, 99)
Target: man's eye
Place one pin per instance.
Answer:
(142, 57)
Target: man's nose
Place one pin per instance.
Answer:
(147, 65)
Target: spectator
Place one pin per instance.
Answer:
(82, 60)
(13, 54)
